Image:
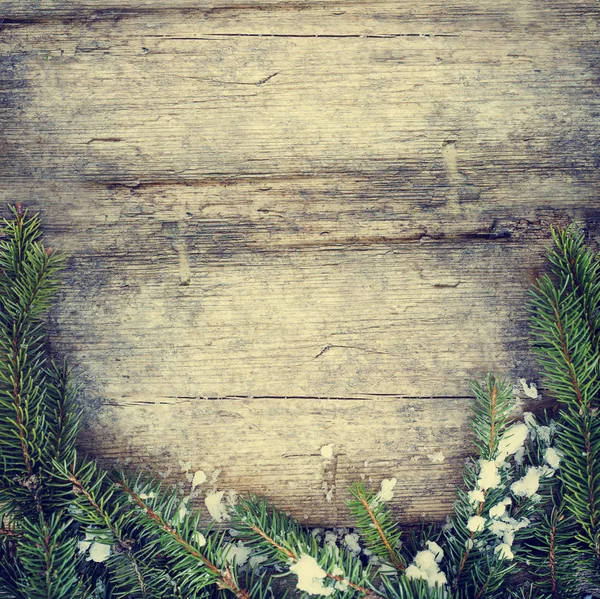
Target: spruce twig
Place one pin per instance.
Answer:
(283, 541)
(565, 318)
(375, 524)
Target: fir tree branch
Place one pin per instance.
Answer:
(49, 561)
(552, 555)
(565, 326)
(104, 516)
(551, 550)
(284, 541)
(472, 568)
(483, 588)
(578, 268)
(224, 579)
(375, 524)
(28, 281)
(291, 555)
(490, 411)
(469, 547)
(9, 533)
(134, 571)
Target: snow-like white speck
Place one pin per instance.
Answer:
(340, 585)
(544, 434)
(387, 489)
(438, 552)
(97, 552)
(145, 496)
(351, 541)
(520, 456)
(552, 458)
(199, 539)
(199, 478)
(476, 523)
(511, 441)
(215, 507)
(500, 508)
(330, 538)
(437, 458)
(182, 511)
(327, 451)
(504, 552)
(256, 560)
(506, 528)
(236, 551)
(529, 390)
(310, 576)
(476, 496)
(529, 484)
(488, 475)
(448, 525)
(425, 566)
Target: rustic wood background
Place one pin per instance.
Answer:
(291, 224)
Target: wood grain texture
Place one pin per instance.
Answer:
(295, 224)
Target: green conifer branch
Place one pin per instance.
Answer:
(176, 538)
(490, 409)
(28, 281)
(48, 560)
(283, 541)
(394, 587)
(375, 524)
(577, 268)
(157, 549)
(565, 329)
(550, 556)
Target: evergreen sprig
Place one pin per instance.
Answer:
(284, 542)
(48, 560)
(549, 554)
(475, 570)
(375, 524)
(565, 323)
(195, 560)
(28, 281)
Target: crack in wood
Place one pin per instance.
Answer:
(367, 397)
(356, 347)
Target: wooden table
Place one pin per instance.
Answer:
(294, 224)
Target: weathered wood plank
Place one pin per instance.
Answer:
(336, 18)
(156, 108)
(272, 446)
(266, 206)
